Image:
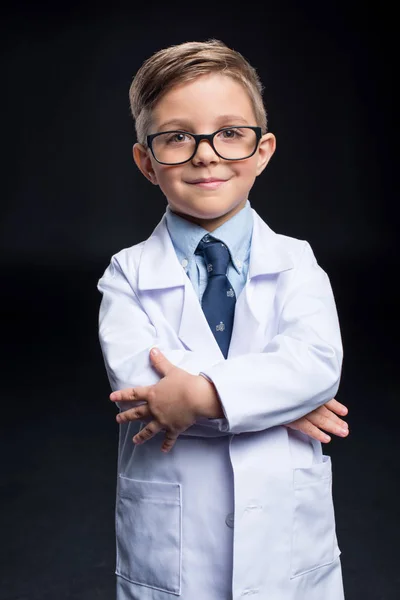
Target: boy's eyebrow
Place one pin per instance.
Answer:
(187, 126)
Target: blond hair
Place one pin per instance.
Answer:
(185, 62)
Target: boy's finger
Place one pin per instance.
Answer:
(130, 394)
(147, 432)
(160, 362)
(134, 414)
(169, 441)
(317, 434)
(122, 395)
(322, 410)
(323, 422)
(337, 407)
(305, 426)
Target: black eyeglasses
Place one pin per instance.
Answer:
(229, 143)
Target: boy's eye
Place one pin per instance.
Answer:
(177, 137)
(230, 134)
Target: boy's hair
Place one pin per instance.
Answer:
(185, 62)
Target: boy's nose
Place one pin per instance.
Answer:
(205, 153)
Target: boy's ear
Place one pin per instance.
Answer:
(266, 149)
(142, 159)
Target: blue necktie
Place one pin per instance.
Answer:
(218, 302)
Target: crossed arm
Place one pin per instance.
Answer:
(297, 370)
(179, 398)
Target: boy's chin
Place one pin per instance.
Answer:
(207, 219)
(207, 213)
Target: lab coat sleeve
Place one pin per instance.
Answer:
(298, 370)
(126, 336)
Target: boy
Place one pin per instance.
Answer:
(246, 353)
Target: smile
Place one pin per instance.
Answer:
(208, 184)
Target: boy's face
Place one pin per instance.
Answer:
(205, 105)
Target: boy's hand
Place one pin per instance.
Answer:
(325, 417)
(179, 398)
(173, 404)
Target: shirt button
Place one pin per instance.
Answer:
(230, 519)
(185, 263)
(239, 264)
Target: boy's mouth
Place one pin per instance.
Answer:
(210, 183)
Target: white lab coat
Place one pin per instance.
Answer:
(242, 506)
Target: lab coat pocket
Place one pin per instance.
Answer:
(314, 538)
(148, 529)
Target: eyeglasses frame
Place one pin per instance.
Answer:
(198, 137)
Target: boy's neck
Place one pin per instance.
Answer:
(207, 224)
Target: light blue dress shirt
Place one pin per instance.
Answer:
(235, 234)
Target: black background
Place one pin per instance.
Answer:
(72, 196)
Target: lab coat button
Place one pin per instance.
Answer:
(230, 519)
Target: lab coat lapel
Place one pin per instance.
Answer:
(161, 275)
(254, 307)
(194, 330)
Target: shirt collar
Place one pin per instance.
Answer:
(235, 234)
